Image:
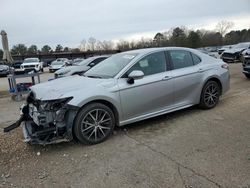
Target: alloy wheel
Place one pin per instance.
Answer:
(96, 125)
(211, 95)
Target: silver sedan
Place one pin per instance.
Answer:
(125, 88)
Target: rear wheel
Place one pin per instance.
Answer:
(247, 75)
(210, 95)
(94, 123)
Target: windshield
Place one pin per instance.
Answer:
(242, 45)
(111, 66)
(32, 60)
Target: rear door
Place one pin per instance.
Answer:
(187, 76)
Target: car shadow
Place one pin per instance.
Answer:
(151, 124)
(156, 123)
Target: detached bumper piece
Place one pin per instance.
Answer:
(23, 117)
(14, 125)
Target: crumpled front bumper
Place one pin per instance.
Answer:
(38, 131)
(34, 137)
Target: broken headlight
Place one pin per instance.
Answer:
(54, 105)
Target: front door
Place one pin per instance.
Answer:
(152, 93)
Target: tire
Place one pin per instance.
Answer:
(94, 123)
(247, 75)
(210, 95)
(42, 70)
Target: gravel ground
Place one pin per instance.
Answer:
(188, 148)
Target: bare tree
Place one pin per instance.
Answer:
(223, 26)
(107, 45)
(98, 45)
(123, 45)
(83, 45)
(92, 42)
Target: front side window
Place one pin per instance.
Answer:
(181, 59)
(151, 64)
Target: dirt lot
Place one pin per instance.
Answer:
(189, 148)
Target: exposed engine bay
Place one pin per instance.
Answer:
(46, 122)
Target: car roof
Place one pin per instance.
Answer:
(148, 50)
(100, 56)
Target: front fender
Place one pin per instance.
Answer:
(112, 98)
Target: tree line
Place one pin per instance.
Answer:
(178, 36)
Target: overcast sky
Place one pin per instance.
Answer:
(67, 22)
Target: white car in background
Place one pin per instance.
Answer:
(32, 64)
(58, 64)
(80, 67)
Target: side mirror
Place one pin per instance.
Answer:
(92, 64)
(67, 63)
(135, 75)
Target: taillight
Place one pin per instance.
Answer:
(225, 66)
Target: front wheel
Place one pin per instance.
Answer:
(94, 123)
(210, 95)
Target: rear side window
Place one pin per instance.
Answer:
(181, 59)
(196, 59)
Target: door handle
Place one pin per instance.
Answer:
(167, 78)
(201, 70)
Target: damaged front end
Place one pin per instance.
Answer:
(46, 122)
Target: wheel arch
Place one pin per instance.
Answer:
(217, 80)
(102, 101)
(211, 78)
(108, 104)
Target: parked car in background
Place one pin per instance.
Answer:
(125, 88)
(30, 64)
(48, 61)
(246, 62)
(212, 54)
(223, 48)
(4, 69)
(59, 63)
(17, 64)
(80, 67)
(77, 60)
(234, 54)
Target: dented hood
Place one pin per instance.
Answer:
(65, 87)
